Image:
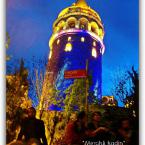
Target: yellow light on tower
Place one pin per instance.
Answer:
(50, 54)
(89, 27)
(58, 41)
(69, 38)
(68, 47)
(82, 39)
(100, 33)
(94, 43)
(94, 52)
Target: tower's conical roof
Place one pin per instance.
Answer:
(81, 3)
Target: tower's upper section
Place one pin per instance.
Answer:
(79, 16)
(81, 3)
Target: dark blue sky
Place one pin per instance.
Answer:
(29, 24)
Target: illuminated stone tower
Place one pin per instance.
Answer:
(77, 36)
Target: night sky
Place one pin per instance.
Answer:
(29, 24)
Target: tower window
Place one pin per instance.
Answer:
(71, 22)
(58, 41)
(83, 23)
(72, 25)
(94, 43)
(61, 28)
(68, 47)
(82, 39)
(50, 54)
(69, 38)
(94, 52)
(82, 27)
(93, 29)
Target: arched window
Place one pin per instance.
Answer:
(56, 29)
(68, 47)
(83, 26)
(94, 27)
(94, 52)
(71, 22)
(83, 23)
(61, 25)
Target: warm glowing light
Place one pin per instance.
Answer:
(68, 47)
(82, 39)
(69, 38)
(89, 26)
(127, 105)
(58, 41)
(94, 43)
(56, 29)
(50, 54)
(94, 52)
(100, 32)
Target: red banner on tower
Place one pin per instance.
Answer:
(73, 74)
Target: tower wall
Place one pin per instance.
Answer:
(77, 38)
(74, 57)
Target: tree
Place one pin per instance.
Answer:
(36, 81)
(133, 99)
(125, 85)
(49, 97)
(75, 97)
(16, 99)
(121, 85)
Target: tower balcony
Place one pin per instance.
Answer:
(71, 31)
